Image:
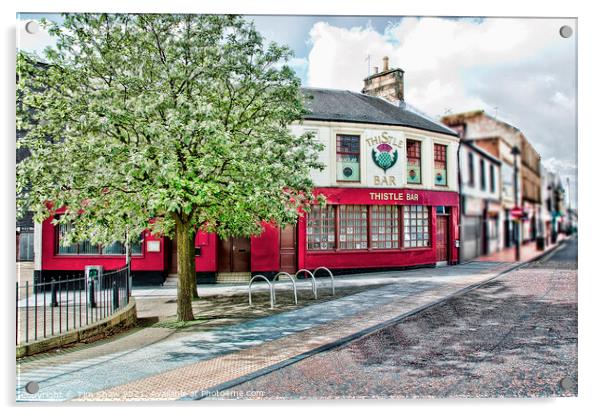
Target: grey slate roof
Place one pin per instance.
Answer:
(340, 105)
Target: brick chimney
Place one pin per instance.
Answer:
(387, 84)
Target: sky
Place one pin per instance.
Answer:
(517, 69)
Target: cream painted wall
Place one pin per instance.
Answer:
(370, 135)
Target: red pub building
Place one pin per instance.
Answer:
(392, 201)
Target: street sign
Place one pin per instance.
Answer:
(516, 212)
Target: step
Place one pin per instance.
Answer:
(232, 277)
(171, 280)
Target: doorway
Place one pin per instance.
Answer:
(442, 239)
(288, 249)
(234, 255)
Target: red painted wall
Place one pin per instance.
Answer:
(381, 258)
(265, 255)
(207, 261)
(51, 261)
(265, 249)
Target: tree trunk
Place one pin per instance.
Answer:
(185, 270)
(193, 287)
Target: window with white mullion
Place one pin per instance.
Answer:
(384, 231)
(416, 227)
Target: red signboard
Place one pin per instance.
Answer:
(516, 212)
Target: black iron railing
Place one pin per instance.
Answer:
(46, 309)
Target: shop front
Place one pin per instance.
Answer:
(365, 228)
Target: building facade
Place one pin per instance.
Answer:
(392, 200)
(498, 139)
(480, 202)
(531, 190)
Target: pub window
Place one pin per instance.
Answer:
(384, 226)
(321, 228)
(414, 164)
(440, 165)
(470, 170)
(348, 158)
(482, 173)
(79, 248)
(88, 248)
(492, 178)
(416, 227)
(353, 227)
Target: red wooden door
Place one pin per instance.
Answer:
(442, 238)
(288, 249)
(234, 255)
(241, 254)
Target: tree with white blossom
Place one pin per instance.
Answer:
(171, 123)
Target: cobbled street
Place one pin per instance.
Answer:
(515, 336)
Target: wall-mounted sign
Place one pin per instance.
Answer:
(395, 196)
(384, 156)
(384, 150)
(153, 246)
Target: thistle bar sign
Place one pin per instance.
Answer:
(385, 153)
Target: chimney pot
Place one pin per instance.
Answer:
(385, 63)
(375, 70)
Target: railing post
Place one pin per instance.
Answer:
(128, 281)
(26, 311)
(17, 315)
(91, 299)
(115, 296)
(53, 290)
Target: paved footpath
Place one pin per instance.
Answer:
(194, 364)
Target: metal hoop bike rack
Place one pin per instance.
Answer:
(269, 285)
(313, 281)
(292, 280)
(329, 273)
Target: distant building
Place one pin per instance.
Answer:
(480, 202)
(559, 208)
(546, 217)
(497, 138)
(530, 176)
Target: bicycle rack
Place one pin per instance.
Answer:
(269, 285)
(329, 272)
(313, 281)
(292, 280)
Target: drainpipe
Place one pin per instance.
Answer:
(461, 201)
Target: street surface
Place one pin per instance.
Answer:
(515, 336)
(163, 367)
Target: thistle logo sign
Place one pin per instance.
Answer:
(385, 152)
(384, 156)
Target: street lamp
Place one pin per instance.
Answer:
(568, 211)
(515, 153)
